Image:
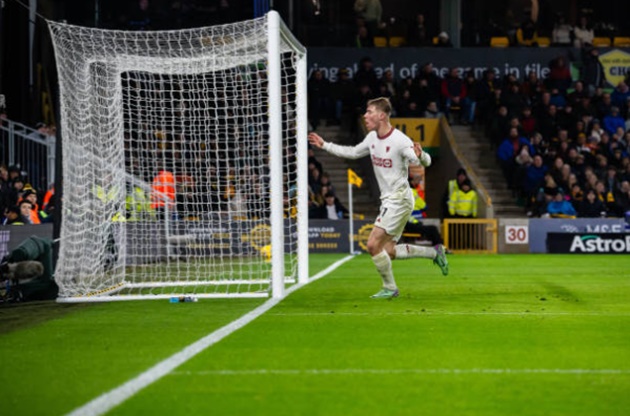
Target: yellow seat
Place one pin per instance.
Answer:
(543, 42)
(621, 42)
(499, 42)
(380, 41)
(435, 40)
(396, 41)
(601, 42)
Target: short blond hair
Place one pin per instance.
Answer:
(381, 103)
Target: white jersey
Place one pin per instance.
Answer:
(391, 156)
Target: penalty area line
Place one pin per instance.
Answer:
(421, 371)
(107, 401)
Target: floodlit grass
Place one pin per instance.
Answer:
(501, 335)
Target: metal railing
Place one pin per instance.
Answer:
(474, 235)
(486, 209)
(32, 152)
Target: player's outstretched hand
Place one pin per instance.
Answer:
(418, 149)
(316, 140)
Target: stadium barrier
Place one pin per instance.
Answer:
(474, 235)
(490, 235)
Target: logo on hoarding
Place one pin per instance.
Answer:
(596, 244)
(258, 237)
(616, 65)
(363, 235)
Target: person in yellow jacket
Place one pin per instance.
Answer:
(463, 202)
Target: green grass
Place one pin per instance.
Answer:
(501, 335)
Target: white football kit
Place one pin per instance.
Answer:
(391, 156)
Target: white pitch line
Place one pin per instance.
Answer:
(447, 313)
(385, 371)
(113, 398)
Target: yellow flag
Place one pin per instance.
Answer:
(354, 179)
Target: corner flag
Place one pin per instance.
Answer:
(354, 179)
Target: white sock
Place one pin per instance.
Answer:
(384, 266)
(409, 251)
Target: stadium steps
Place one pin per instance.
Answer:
(337, 169)
(481, 158)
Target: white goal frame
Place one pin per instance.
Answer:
(278, 37)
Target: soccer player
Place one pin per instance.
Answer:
(392, 152)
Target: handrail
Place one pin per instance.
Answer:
(482, 192)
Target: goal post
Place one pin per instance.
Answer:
(184, 162)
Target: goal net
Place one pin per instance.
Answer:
(184, 161)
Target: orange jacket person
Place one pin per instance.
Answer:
(163, 190)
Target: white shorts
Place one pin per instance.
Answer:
(394, 214)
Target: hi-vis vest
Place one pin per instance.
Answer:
(463, 204)
(138, 205)
(109, 196)
(419, 206)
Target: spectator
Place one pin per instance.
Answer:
(559, 75)
(614, 121)
(453, 93)
(388, 81)
(332, 208)
(620, 96)
(534, 176)
(432, 111)
(514, 100)
(371, 12)
(443, 41)
(527, 33)
(591, 206)
(562, 32)
(324, 180)
(318, 97)
(314, 180)
(362, 39)
(470, 102)
(532, 87)
(499, 126)
(342, 94)
(26, 208)
(366, 75)
(5, 188)
(603, 105)
(419, 204)
(486, 93)
(429, 80)
(453, 185)
(560, 207)
(583, 33)
(417, 34)
(12, 216)
(507, 152)
(575, 97)
(623, 198)
(463, 201)
(527, 121)
(592, 73)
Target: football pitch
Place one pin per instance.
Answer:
(501, 335)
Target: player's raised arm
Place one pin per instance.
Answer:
(315, 140)
(424, 157)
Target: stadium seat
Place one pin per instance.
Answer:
(435, 40)
(499, 42)
(380, 41)
(601, 42)
(543, 42)
(396, 41)
(621, 42)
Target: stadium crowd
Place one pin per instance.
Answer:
(557, 139)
